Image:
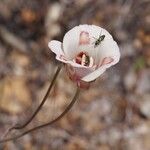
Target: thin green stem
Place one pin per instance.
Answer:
(47, 124)
(17, 126)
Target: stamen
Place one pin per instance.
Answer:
(83, 59)
(91, 62)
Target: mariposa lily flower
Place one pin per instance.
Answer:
(87, 51)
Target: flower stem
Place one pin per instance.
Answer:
(17, 126)
(46, 124)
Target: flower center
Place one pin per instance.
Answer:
(84, 59)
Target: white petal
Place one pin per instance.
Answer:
(109, 49)
(95, 74)
(76, 73)
(83, 71)
(70, 42)
(96, 31)
(71, 39)
(55, 47)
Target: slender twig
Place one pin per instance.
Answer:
(17, 127)
(47, 124)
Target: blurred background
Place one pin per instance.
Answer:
(114, 114)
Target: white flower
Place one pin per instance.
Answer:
(87, 51)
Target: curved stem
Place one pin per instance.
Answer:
(49, 123)
(17, 127)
